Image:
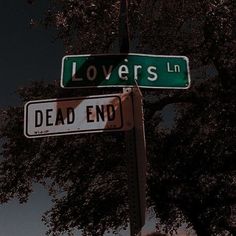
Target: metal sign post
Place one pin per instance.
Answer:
(135, 142)
(136, 162)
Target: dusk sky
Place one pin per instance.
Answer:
(26, 55)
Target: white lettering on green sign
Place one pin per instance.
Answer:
(123, 71)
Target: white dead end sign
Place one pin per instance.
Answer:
(90, 114)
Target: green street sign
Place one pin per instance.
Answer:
(125, 70)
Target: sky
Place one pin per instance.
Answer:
(27, 55)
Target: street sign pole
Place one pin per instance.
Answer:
(135, 142)
(136, 152)
(141, 161)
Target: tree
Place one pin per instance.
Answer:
(191, 173)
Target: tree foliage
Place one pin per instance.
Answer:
(191, 176)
